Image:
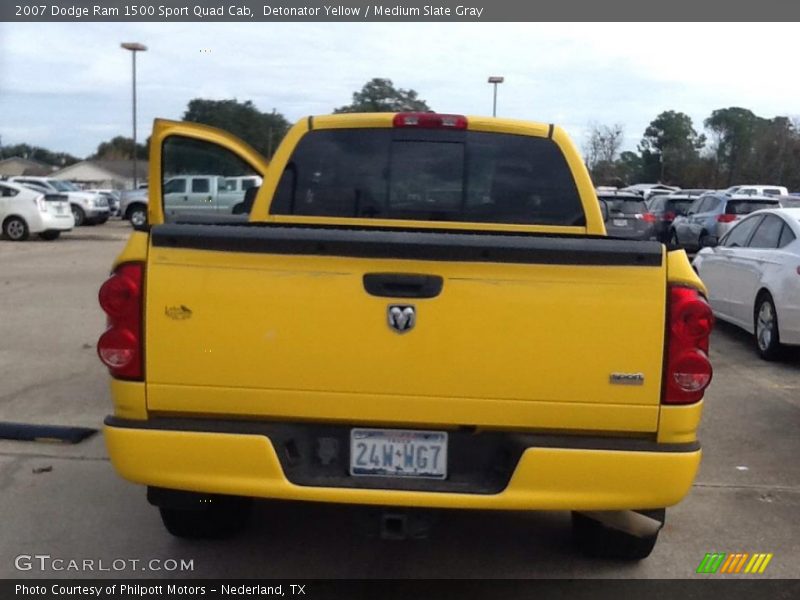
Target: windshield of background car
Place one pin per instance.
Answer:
(62, 186)
(625, 206)
(745, 207)
(432, 175)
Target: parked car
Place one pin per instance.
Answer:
(753, 278)
(24, 211)
(713, 214)
(757, 190)
(205, 195)
(111, 196)
(646, 190)
(88, 208)
(665, 209)
(242, 184)
(628, 216)
(789, 201)
(193, 197)
(133, 206)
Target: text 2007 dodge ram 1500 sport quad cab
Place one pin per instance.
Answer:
(423, 310)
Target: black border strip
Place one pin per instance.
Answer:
(410, 245)
(530, 440)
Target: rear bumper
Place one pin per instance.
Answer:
(96, 213)
(50, 221)
(564, 473)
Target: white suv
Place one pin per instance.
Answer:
(758, 190)
(88, 208)
(24, 211)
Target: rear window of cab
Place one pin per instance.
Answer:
(431, 175)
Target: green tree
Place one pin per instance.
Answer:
(733, 132)
(263, 131)
(629, 167)
(120, 148)
(380, 95)
(671, 143)
(56, 159)
(600, 151)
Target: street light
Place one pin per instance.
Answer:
(134, 47)
(495, 80)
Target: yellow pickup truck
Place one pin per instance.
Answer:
(420, 310)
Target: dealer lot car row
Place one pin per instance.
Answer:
(24, 211)
(753, 278)
(684, 218)
(87, 207)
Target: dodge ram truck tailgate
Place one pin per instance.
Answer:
(405, 327)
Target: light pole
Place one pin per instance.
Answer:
(134, 47)
(495, 80)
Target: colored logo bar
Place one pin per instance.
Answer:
(736, 563)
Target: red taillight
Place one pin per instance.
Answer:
(430, 121)
(688, 370)
(120, 347)
(668, 216)
(649, 218)
(726, 218)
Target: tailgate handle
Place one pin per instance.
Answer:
(402, 285)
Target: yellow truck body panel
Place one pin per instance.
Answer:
(236, 339)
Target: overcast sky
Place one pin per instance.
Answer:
(66, 86)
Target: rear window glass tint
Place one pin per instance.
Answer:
(745, 207)
(625, 206)
(737, 237)
(429, 175)
(787, 236)
(768, 233)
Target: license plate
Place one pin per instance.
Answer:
(621, 222)
(398, 453)
(59, 209)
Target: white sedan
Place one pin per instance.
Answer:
(753, 278)
(24, 211)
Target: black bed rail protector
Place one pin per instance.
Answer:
(411, 245)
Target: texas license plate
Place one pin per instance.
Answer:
(398, 453)
(621, 222)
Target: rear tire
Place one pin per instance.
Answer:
(50, 235)
(765, 328)
(80, 216)
(596, 540)
(224, 517)
(15, 229)
(137, 215)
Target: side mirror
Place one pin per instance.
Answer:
(604, 209)
(709, 241)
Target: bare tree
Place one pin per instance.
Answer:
(601, 150)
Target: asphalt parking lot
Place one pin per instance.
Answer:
(65, 500)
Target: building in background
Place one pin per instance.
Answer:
(104, 174)
(17, 166)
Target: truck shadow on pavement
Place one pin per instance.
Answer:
(286, 539)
